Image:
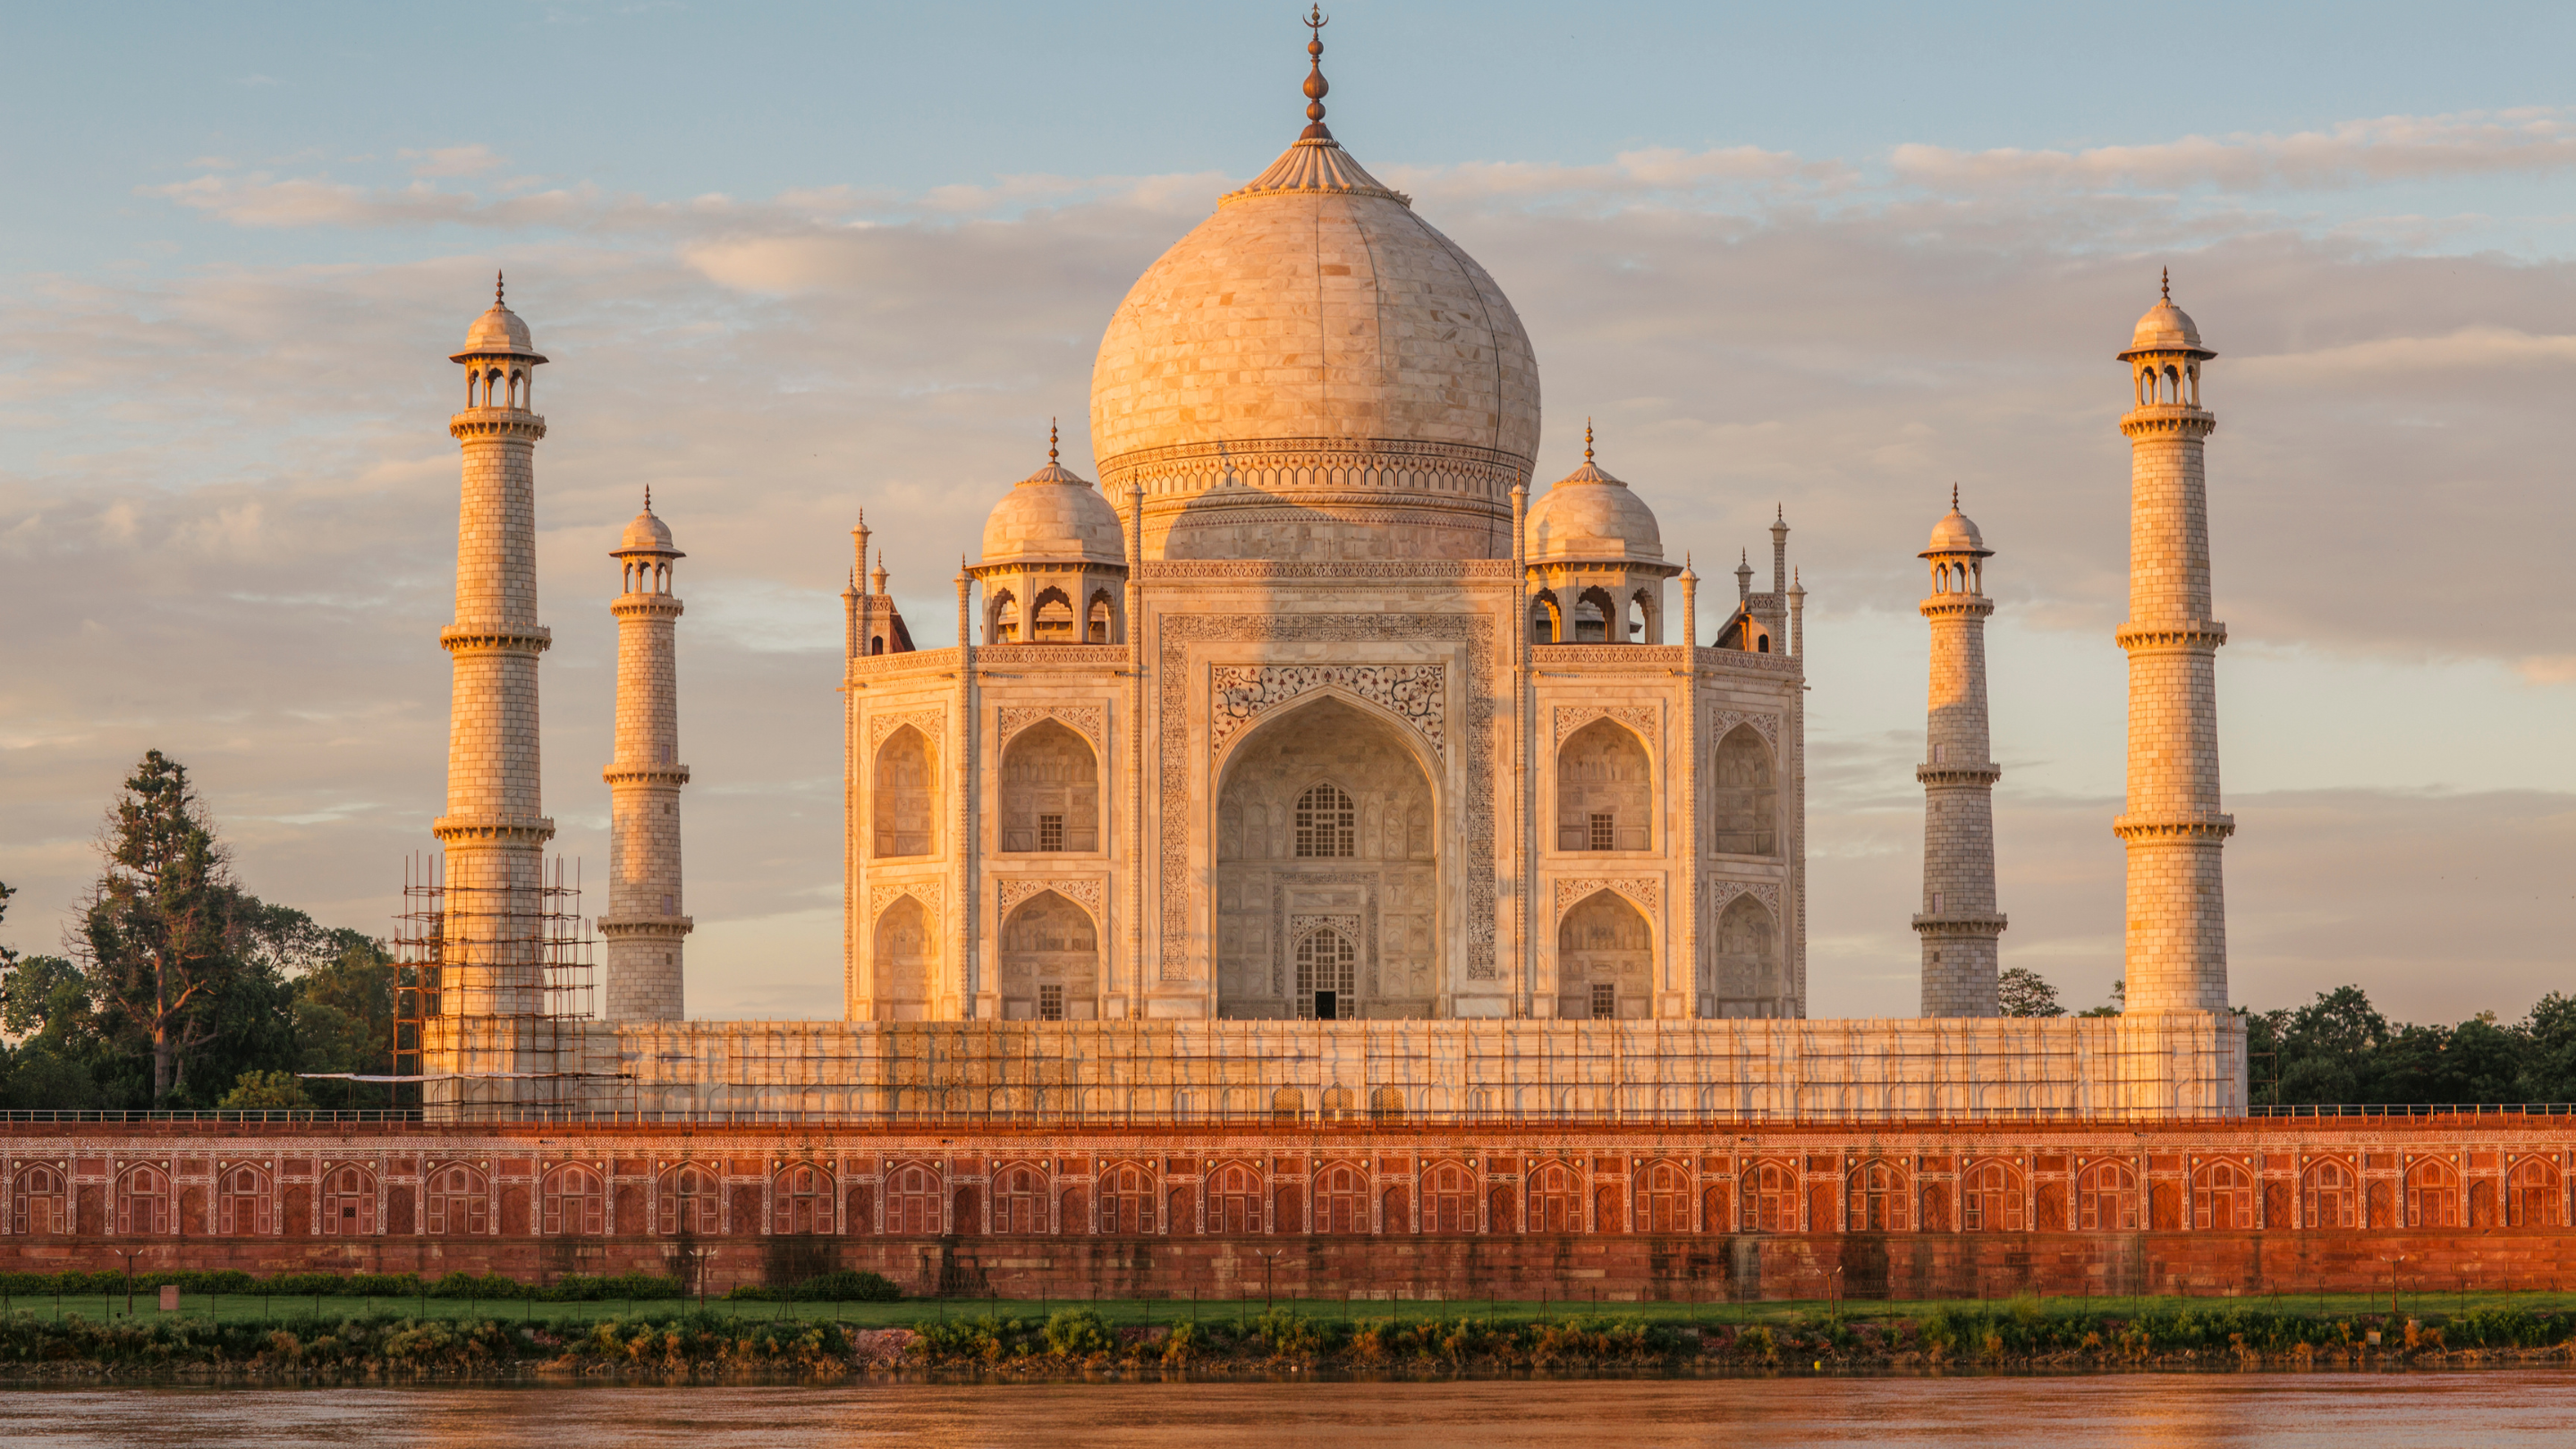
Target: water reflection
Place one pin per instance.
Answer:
(2495, 1409)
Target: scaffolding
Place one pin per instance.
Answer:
(491, 986)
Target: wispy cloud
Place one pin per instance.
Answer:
(2353, 153)
(471, 160)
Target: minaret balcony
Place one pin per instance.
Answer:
(2201, 635)
(2168, 420)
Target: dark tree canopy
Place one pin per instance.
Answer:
(183, 986)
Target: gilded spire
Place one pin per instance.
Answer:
(1316, 86)
(1050, 442)
(1587, 440)
(2167, 282)
(1954, 498)
(648, 497)
(496, 287)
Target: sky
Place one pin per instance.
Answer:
(795, 261)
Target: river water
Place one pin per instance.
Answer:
(2492, 1409)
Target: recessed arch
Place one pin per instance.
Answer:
(903, 958)
(1605, 959)
(1361, 856)
(1002, 617)
(1604, 789)
(1050, 960)
(1051, 618)
(1746, 968)
(1598, 619)
(1744, 805)
(1050, 791)
(1546, 624)
(1101, 618)
(902, 796)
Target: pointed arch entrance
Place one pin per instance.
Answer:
(1327, 869)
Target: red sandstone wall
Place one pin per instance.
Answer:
(1902, 1210)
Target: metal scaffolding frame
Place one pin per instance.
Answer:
(532, 995)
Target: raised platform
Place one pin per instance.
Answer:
(2189, 1064)
(1669, 1210)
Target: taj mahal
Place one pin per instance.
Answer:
(1312, 759)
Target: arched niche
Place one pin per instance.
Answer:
(903, 956)
(1744, 801)
(1050, 961)
(1598, 619)
(1604, 790)
(1365, 868)
(1745, 969)
(1605, 960)
(900, 795)
(1051, 618)
(1050, 791)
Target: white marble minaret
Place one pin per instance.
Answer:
(645, 925)
(1959, 924)
(2177, 938)
(494, 829)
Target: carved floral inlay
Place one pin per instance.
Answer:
(1086, 892)
(1721, 892)
(1418, 693)
(882, 896)
(931, 722)
(1087, 718)
(1646, 891)
(1765, 725)
(1638, 717)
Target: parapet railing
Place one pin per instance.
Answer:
(496, 1114)
(2418, 1109)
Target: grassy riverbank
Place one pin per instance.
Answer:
(313, 1298)
(835, 1340)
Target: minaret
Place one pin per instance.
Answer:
(1959, 924)
(2177, 938)
(494, 828)
(645, 923)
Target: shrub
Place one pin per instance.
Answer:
(1285, 1331)
(1078, 1333)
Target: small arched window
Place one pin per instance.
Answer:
(1006, 619)
(1327, 824)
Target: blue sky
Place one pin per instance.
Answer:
(793, 261)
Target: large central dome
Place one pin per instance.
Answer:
(1315, 372)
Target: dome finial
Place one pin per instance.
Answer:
(1954, 498)
(496, 287)
(1587, 440)
(1316, 86)
(648, 497)
(1050, 441)
(2167, 283)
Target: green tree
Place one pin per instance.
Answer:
(270, 1091)
(160, 934)
(2020, 991)
(2549, 1053)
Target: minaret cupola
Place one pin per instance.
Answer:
(500, 359)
